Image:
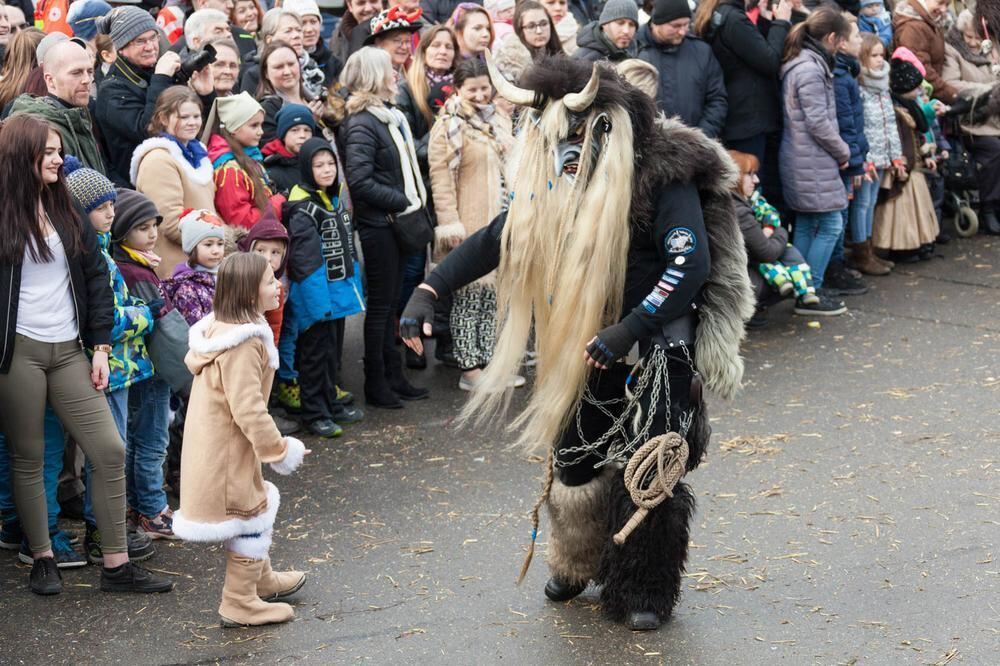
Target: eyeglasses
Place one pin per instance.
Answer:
(146, 41)
(541, 26)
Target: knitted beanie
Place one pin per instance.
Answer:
(126, 23)
(909, 56)
(83, 15)
(494, 7)
(619, 9)
(302, 7)
(90, 188)
(132, 209)
(236, 110)
(903, 76)
(197, 225)
(665, 11)
(291, 115)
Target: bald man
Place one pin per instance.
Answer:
(69, 75)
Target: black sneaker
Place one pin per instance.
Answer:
(325, 428)
(45, 577)
(11, 534)
(346, 415)
(63, 552)
(759, 319)
(823, 306)
(841, 283)
(140, 546)
(130, 577)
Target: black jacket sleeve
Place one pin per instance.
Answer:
(678, 232)
(100, 298)
(476, 256)
(123, 113)
(743, 38)
(271, 105)
(360, 145)
(715, 106)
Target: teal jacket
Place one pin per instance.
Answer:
(129, 359)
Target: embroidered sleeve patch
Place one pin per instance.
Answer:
(680, 241)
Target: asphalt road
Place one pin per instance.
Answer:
(849, 513)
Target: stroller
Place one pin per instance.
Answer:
(961, 196)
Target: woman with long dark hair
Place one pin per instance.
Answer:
(534, 27)
(281, 83)
(58, 314)
(381, 168)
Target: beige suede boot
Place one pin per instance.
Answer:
(278, 584)
(240, 605)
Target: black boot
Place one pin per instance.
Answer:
(643, 621)
(397, 381)
(415, 361)
(377, 390)
(556, 590)
(989, 223)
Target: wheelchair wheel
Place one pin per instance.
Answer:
(966, 222)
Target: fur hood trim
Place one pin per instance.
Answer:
(676, 153)
(200, 176)
(191, 530)
(233, 336)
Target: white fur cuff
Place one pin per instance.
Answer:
(254, 547)
(293, 457)
(449, 231)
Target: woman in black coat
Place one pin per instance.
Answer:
(750, 64)
(381, 168)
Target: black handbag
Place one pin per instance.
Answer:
(413, 231)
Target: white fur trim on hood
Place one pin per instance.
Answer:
(200, 176)
(190, 530)
(295, 451)
(237, 335)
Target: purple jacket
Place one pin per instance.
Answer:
(191, 292)
(811, 148)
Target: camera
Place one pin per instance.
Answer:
(194, 63)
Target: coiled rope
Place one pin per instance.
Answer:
(651, 475)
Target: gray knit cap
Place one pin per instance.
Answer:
(124, 24)
(619, 9)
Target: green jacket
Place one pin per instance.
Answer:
(74, 124)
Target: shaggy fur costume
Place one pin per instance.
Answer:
(578, 519)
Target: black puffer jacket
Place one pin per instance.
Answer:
(125, 104)
(373, 170)
(418, 124)
(92, 295)
(750, 64)
(593, 45)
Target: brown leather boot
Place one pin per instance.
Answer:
(885, 262)
(863, 260)
(278, 584)
(240, 605)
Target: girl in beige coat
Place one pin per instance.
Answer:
(172, 169)
(229, 434)
(466, 158)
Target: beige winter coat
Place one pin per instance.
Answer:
(228, 434)
(970, 79)
(468, 198)
(160, 171)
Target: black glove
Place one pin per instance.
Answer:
(611, 344)
(155, 306)
(419, 311)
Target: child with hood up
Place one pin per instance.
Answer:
(325, 286)
(229, 436)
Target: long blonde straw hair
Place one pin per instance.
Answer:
(562, 269)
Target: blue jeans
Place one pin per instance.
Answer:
(55, 443)
(118, 402)
(816, 235)
(146, 445)
(862, 210)
(286, 347)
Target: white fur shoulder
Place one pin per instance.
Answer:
(200, 176)
(233, 337)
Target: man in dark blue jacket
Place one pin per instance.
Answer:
(691, 83)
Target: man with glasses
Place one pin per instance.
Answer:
(127, 95)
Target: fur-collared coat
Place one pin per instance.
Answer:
(159, 171)
(228, 434)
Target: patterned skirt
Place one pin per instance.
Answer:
(473, 325)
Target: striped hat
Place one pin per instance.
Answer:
(90, 188)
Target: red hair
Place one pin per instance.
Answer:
(746, 163)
